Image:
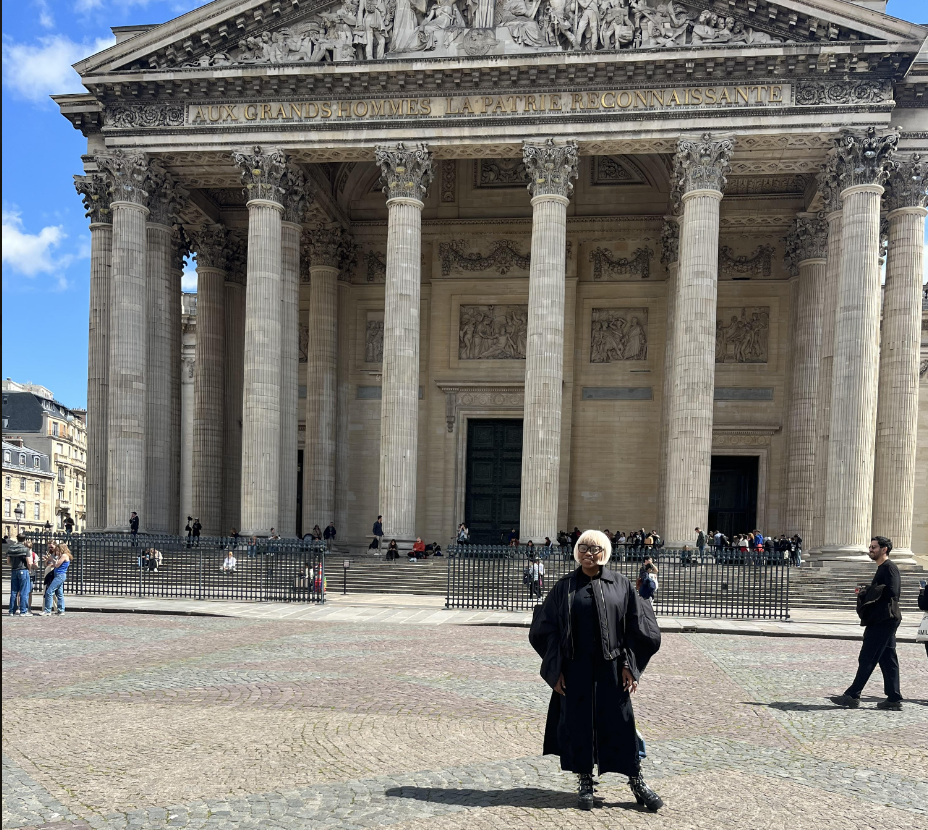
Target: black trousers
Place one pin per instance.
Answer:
(878, 649)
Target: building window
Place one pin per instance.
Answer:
(58, 449)
(61, 495)
(6, 456)
(36, 462)
(38, 488)
(6, 507)
(22, 485)
(61, 474)
(55, 430)
(37, 511)
(22, 459)
(9, 483)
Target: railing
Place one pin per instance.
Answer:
(285, 570)
(713, 585)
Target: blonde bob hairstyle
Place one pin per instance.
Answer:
(595, 537)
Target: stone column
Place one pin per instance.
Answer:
(700, 173)
(327, 247)
(897, 406)
(670, 253)
(551, 168)
(262, 174)
(806, 247)
(126, 395)
(188, 368)
(232, 380)
(294, 207)
(211, 246)
(406, 173)
(862, 162)
(180, 247)
(95, 192)
(164, 201)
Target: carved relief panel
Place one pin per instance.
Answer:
(618, 334)
(492, 332)
(304, 342)
(373, 337)
(742, 334)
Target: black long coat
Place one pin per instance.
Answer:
(630, 637)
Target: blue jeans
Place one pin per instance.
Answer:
(20, 585)
(55, 588)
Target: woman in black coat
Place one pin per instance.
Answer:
(594, 638)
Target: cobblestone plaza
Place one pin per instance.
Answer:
(143, 721)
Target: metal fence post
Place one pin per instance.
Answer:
(199, 572)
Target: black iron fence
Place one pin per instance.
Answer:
(690, 585)
(270, 570)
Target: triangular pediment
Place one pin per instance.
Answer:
(243, 33)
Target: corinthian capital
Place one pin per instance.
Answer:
(330, 245)
(263, 172)
(94, 190)
(296, 194)
(807, 239)
(670, 241)
(211, 246)
(863, 157)
(166, 197)
(702, 164)
(829, 183)
(907, 185)
(551, 168)
(406, 172)
(128, 175)
(180, 247)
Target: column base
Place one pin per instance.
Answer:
(840, 553)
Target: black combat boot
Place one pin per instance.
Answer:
(644, 794)
(585, 793)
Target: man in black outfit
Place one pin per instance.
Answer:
(134, 527)
(880, 617)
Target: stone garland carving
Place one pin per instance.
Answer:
(304, 343)
(818, 93)
(807, 239)
(180, 247)
(702, 164)
(493, 332)
(190, 364)
(606, 267)
(131, 116)
(373, 341)
(374, 29)
(295, 196)
(907, 185)
(923, 369)
(863, 158)
(128, 175)
(406, 173)
(756, 265)
(237, 256)
(449, 180)
(500, 173)
(884, 239)
(551, 167)
(262, 172)
(741, 334)
(94, 191)
(376, 267)
(609, 170)
(502, 258)
(829, 184)
(166, 197)
(670, 241)
(210, 243)
(618, 334)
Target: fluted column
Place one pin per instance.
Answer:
(327, 248)
(128, 347)
(406, 174)
(700, 173)
(210, 244)
(180, 247)
(165, 198)
(291, 229)
(262, 175)
(806, 247)
(232, 380)
(551, 167)
(862, 170)
(670, 254)
(95, 192)
(897, 404)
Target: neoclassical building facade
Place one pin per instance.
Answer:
(521, 264)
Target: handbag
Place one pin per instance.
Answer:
(867, 598)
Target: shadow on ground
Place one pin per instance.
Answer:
(515, 797)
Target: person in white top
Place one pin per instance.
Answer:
(538, 577)
(228, 564)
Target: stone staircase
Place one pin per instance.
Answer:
(833, 586)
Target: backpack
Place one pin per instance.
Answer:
(647, 590)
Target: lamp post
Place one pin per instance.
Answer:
(19, 516)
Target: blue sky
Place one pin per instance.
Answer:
(45, 238)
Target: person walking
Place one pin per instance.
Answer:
(700, 543)
(19, 558)
(594, 638)
(134, 528)
(59, 557)
(878, 609)
(329, 535)
(197, 527)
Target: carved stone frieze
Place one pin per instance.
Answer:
(133, 116)
(607, 267)
(552, 168)
(757, 264)
(94, 191)
(406, 172)
(863, 158)
(304, 343)
(618, 334)
(236, 256)
(766, 185)
(505, 172)
(501, 259)
(449, 181)
(741, 334)
(819, 93)
(210, 243)
(375, 267)
(492, 332)
(907, 185)
(128, 175)
(670, 241)
(166, 196)
(263, 172)
(807, 239)
(480, 396)
(373, 341)
(613, 170)
(829, 183)
(702, 164)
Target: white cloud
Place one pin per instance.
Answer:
(35, 71)
(46, 19)
(32, 253)
(188, 280)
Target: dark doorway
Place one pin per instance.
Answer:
(299, 493)
(733, 494)
(494, 479)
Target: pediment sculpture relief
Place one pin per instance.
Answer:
(375, 29)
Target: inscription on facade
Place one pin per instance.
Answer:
(619, 334)
(493, 332)
(741, 334)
